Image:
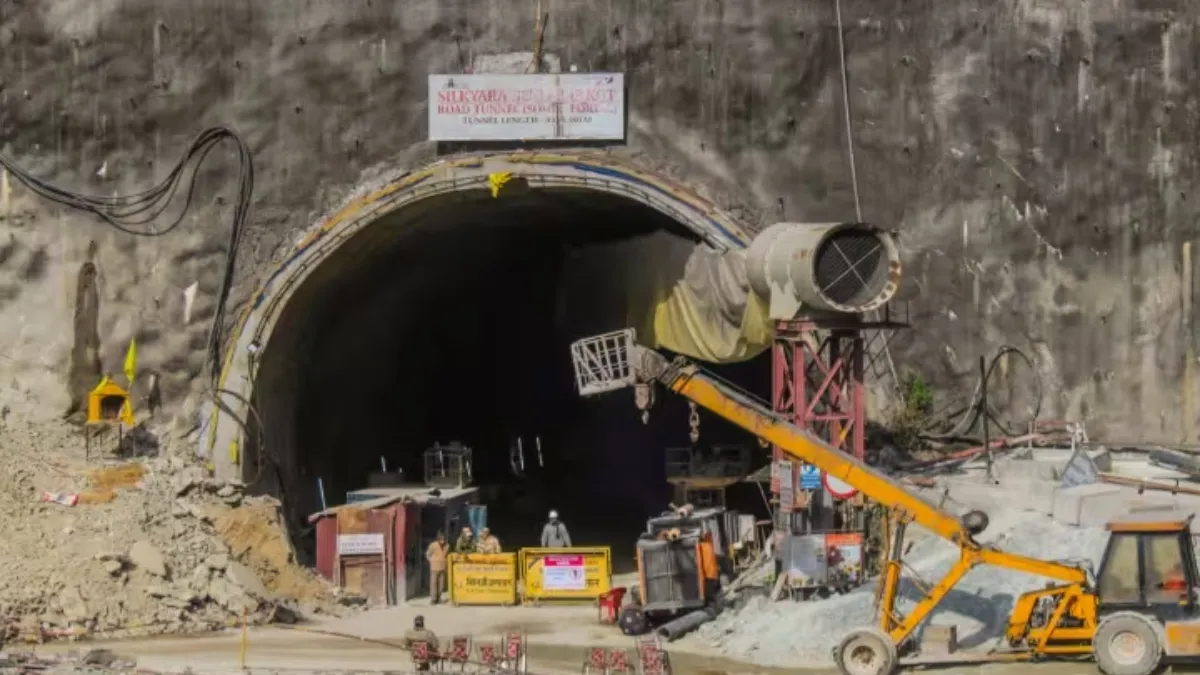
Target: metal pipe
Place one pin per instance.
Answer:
(844, 268)
(678, 627)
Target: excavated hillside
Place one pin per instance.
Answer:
(1035, 158)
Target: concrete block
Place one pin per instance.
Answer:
(939, 640)
(1068, 504)
(1094, 505)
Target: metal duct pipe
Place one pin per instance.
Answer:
(677, 628)
(834, 267)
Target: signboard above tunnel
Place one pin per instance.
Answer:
(561, 106)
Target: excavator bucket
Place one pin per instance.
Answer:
(602, 362)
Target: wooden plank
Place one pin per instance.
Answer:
(1148, 484)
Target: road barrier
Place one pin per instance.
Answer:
(577, 573)
(483, 578)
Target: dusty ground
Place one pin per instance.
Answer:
(557, 640)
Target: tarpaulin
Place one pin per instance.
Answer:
(679, 295)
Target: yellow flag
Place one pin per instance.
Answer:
(497, 181)
(131, 362)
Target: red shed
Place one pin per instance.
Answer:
(385, 572)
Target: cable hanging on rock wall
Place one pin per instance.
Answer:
(136, 214)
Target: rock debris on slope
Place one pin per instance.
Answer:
(149, 546)
(792, 633)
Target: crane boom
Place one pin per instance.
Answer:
(614, 360)
(689, 381)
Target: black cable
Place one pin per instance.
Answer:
(976, 408)
(131, 214)
(264, 459)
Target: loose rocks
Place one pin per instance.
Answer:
(164, 552)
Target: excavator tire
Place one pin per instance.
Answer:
(1127, 643)
(866, 651)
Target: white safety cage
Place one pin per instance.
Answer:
(602, 362)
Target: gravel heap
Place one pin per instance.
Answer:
(805, 633)
(136, 547)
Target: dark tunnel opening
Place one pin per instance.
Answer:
(449, 321)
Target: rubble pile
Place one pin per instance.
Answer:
(146, 546)
(782, 633)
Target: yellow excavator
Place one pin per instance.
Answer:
(1137, 611)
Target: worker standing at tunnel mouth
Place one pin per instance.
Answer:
(465, 542)
(436, 555)
(554, 534)
(488, 543)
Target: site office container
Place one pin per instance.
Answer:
(397, 575)
(413, 515)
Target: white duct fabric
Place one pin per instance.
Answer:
(681, 296)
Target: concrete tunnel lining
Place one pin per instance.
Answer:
(409, 196)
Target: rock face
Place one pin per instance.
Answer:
(1037, 159)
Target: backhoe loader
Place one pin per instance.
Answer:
(1137, 610)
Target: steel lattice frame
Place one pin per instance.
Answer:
(817, 382)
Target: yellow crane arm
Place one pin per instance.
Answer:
(689, 381)
(614, 360)
(692, 383)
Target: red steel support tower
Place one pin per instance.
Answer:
(817, 380)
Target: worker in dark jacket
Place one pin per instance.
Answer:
(554, 534)
(420, 634)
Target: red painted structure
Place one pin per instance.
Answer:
(818, 369)
(400, 523)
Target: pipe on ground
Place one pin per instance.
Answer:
(677, 628)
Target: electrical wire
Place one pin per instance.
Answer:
(858, 214)
(974, 410)
(841, 32)
(264, 460)
(135, 213)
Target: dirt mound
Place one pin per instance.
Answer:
(256, 535)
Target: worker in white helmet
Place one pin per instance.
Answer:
(554, 534)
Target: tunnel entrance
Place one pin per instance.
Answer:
(449, 322)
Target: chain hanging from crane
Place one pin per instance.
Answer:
(693, 422)
(643, 398)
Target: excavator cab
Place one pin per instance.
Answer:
(1149, 565)
(1146, 591)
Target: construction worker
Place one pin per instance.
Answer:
(1174, 580)
(420, 634)
(488, 543)
(465, 542)
(554, 534)
(436, 555)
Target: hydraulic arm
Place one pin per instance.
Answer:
(611, 361)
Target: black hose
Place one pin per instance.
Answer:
(977, 410)
(131, 214)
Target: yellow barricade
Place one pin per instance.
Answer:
(577, 573)
(483, 578)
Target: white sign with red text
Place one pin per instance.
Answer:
(563, 573)
(563, 106)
